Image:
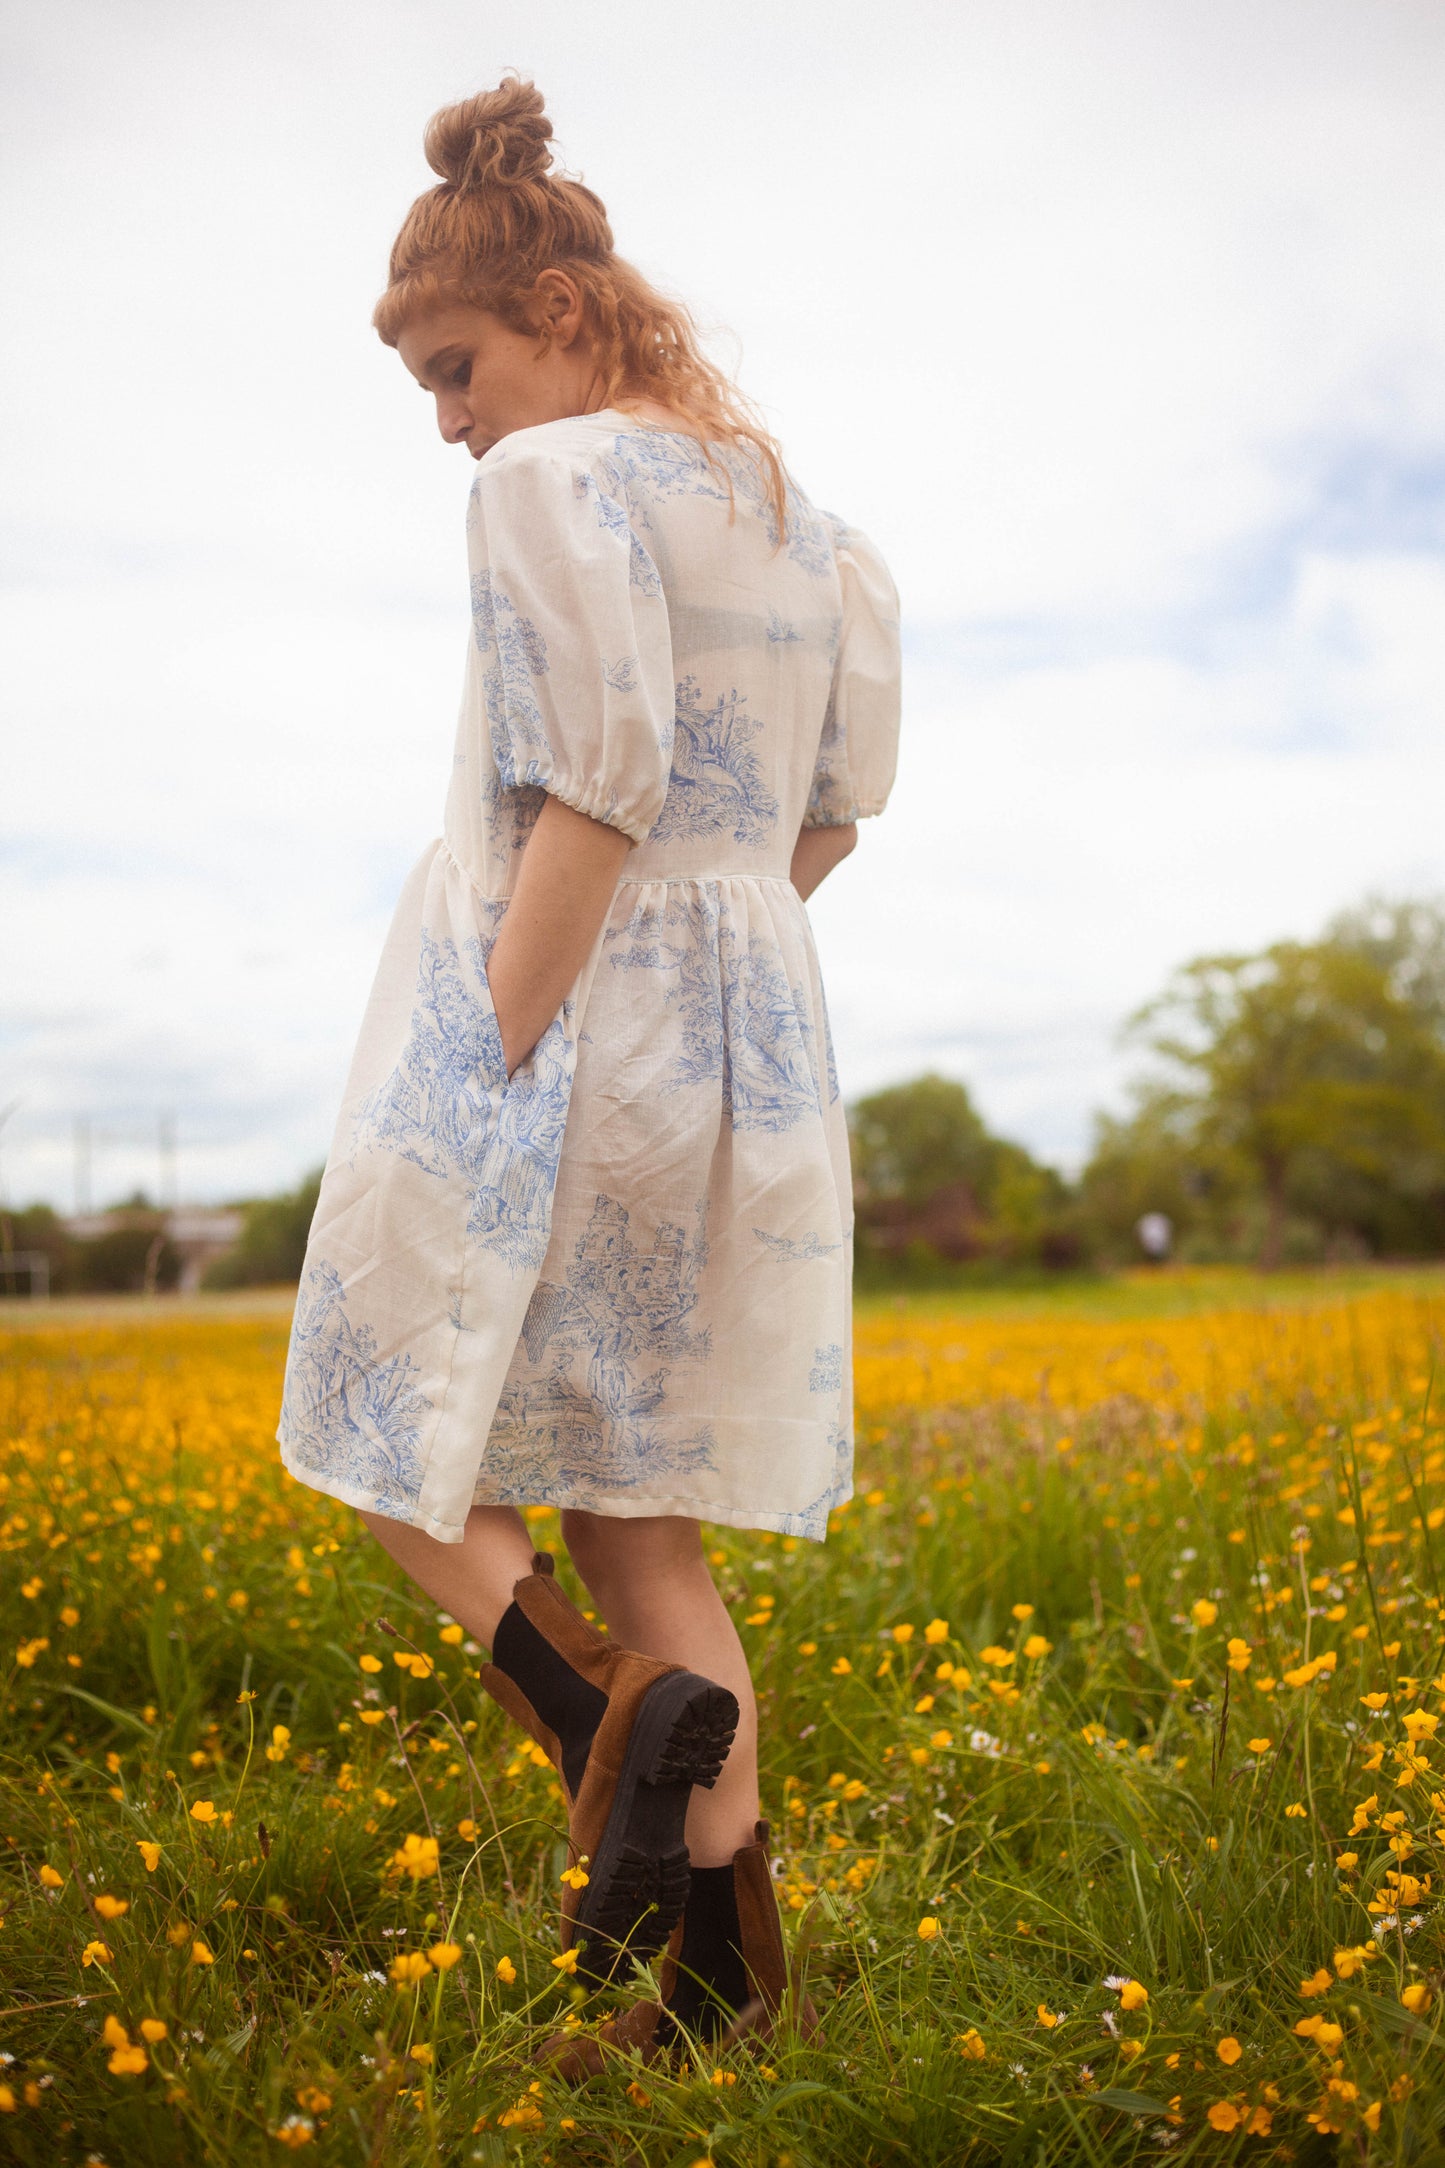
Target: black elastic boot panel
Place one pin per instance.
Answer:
(567, 1703)
(712, 1980)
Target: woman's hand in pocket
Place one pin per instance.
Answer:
(565, 885)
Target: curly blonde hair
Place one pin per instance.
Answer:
(501, 214)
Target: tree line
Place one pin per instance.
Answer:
(1291, 1109)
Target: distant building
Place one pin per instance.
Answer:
(200, 1233)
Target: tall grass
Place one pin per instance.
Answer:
(1098, 1737)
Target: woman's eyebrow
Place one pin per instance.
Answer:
(435, 362)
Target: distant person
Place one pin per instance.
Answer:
(1155, 1234)
(584, 1235)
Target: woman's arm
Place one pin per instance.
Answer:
(817, 851)
(565, 883)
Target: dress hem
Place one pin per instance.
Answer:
(352, 1494)
(635, 1508)
(631, 1508)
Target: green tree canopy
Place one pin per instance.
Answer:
(272, 1245)
(931, 1181)
(1318, 1073)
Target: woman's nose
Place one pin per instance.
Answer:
(453, 420)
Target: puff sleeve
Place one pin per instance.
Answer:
(571, 628)
(858, 750)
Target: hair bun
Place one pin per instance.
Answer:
(500, 138)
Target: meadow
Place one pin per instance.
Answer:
(1100, 1750)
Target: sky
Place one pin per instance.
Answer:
(1120, 327)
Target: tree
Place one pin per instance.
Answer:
(272, 1244)
(932, 1183)
(1310, 1065)
(1153, 1160)
(1405, 938)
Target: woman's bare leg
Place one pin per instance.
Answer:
(473, 1579)
(650, 1582)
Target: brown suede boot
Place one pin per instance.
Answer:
(662, 1730)
(650, 2028)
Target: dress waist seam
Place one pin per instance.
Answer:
(444, 844)
(639, 880)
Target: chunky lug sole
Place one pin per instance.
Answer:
(637, 1885)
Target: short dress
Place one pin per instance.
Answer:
(619, 1279)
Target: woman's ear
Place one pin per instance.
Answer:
(557, 301)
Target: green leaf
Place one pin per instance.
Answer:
(158, 1650)
(1125, 2103)
(108, 1708)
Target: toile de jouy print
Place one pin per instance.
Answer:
(617, 1279)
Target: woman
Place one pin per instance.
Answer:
(584, 1235)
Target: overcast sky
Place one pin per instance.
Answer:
(1120, 327)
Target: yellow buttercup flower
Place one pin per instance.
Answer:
(418, 1857)
(1228, 2049)
(1203, 1612)
(506, 1971)
(112, 1908)
(927, 1930)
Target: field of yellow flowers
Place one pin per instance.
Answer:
(1101, 1751)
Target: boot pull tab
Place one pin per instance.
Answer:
(542, 1562)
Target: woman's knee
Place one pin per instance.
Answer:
(613, 1554)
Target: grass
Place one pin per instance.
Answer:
(1122, 1668)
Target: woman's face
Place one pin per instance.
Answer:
(488, 379)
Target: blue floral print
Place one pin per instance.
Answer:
(602, 1345)
(359, 1415)
(799, 1251)
(448, 1106)
(716, 787)
(742, 1024)
(508, 1291)
(826, 1375)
